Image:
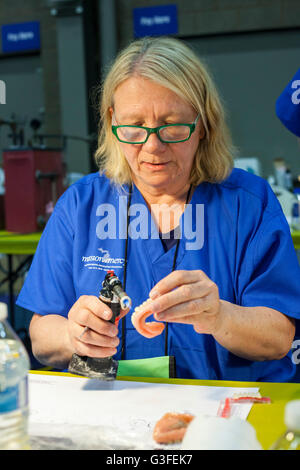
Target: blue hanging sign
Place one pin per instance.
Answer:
(21, 37)
(155, 21)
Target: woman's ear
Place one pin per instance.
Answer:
(202, 132)
(110, 109)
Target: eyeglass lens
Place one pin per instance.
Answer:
(136, 134)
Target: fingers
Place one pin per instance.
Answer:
(186, 297)
(176, 279)
(94, 304)
(191, 295)
(96, 339)
(184, 313)
(89, 350)
(91, 312)
(98, 324)
(91, 332)
(194, 292)
(97, 307)
(93, 344)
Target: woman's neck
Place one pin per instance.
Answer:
(166, 208)
(155, 196)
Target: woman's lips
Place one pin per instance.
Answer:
(156, 166)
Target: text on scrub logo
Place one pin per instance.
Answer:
(105, 253)
(2, 92)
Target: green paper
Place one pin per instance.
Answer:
(150, 367)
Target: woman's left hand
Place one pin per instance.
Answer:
(187, 297)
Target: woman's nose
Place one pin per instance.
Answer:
(153, 143)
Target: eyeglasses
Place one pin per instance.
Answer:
(170, 133)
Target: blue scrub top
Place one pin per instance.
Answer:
(243, 244)
(288, 105)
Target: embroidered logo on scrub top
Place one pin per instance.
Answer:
(104, 261)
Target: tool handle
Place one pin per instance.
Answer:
(115, 308)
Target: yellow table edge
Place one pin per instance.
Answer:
(296, 239)
(267, 419)
(26, 244)
(19, 244)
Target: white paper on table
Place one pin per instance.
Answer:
(121, 409)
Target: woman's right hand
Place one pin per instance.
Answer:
(100, 340)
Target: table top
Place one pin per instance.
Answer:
(296, 239)
(19, 243)
(267, 419)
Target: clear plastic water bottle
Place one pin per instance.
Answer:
(14, 366)
(290, 440)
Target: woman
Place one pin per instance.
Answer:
(225, 282)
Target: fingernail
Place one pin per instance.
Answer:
(160, 316)
(113, 331)
(153, 294)
(107, 314)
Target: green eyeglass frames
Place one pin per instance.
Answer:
(170, 133)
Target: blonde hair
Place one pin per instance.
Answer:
(172, 64)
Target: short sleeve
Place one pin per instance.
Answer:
(288, 105)
(270, 273)
(48, 287)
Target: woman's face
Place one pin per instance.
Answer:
(156, 167)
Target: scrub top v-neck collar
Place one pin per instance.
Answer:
(153, 245)
(161, 261)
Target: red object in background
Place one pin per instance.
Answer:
(33, 178)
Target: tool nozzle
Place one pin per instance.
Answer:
(125, 302)
(114, 283)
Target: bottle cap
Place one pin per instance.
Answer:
(292, 415)
(3, 311)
